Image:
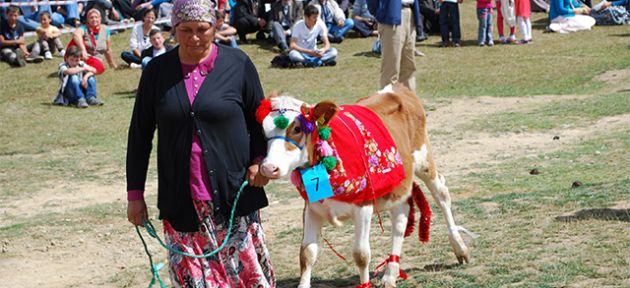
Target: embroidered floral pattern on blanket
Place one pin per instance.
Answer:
(368, 162)
(244, 262)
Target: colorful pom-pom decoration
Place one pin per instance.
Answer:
(329, 162)
(307, 126)
(324, 133)
(281, 122)
(263, 110)
(324, 149)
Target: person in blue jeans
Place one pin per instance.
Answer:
(78, 84)
(334, 19)
(304, 41)
(30, 15)
(484, 15)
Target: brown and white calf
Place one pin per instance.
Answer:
(404, 117)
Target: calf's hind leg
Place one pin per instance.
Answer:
(424, 168)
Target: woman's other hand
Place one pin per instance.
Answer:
(255, 178)
(137, 212)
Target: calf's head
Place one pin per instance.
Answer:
(288, 124)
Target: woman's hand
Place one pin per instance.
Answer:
(255, 178)
(137, 212)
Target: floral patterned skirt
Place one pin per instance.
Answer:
(244, 261)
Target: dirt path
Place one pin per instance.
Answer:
(84, 260)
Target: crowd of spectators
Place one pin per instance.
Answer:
(295, 27)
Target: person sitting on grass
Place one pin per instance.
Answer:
(225, 34)
(139, 39)
(78, 84)
(48, 40)
(304, 41)
(334, 19)
(12, 44)
(569, 16)
(158, 47)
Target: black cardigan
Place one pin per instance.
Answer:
(222, 115)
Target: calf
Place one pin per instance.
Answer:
(292, 146)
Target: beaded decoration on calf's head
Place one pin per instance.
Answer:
(289, 125)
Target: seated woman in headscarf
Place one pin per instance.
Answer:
(569, 16)
(93, 39)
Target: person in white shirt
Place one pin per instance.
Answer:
(304, 41)
(139, 39)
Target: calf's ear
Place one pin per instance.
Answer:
(324, 111)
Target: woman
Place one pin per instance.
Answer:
(94, 42)
(139, 39)
(569, 16)
(208, 143)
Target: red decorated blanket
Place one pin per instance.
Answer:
(368, 162)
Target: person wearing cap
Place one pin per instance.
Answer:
(201, 98)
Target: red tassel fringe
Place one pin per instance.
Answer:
(425, 213)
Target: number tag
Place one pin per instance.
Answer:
(316, 183)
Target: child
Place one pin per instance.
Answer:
(449, 22)
(484, 14)
(505, 12)
(523, 12)
(158, 47)
(12, 44)
(78, 84)
(225, 34)
(47, 38)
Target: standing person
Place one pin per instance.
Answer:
(449, 22)
(484, 15)
(139, 39)
(93, 39)
(304, 41)
(505, 13)
(12, 43)
(397, 32)
(523, 11)
(47, 38)
(208, 143)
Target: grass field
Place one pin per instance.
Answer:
(493, 115)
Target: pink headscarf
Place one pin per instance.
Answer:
(193, 10)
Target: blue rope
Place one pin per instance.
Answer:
(151, 231)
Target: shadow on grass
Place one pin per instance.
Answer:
(368, 54)
(620, 35)
(127, 94)
(352, 281)
(540, 24)
(597, 214)
(320, 283)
